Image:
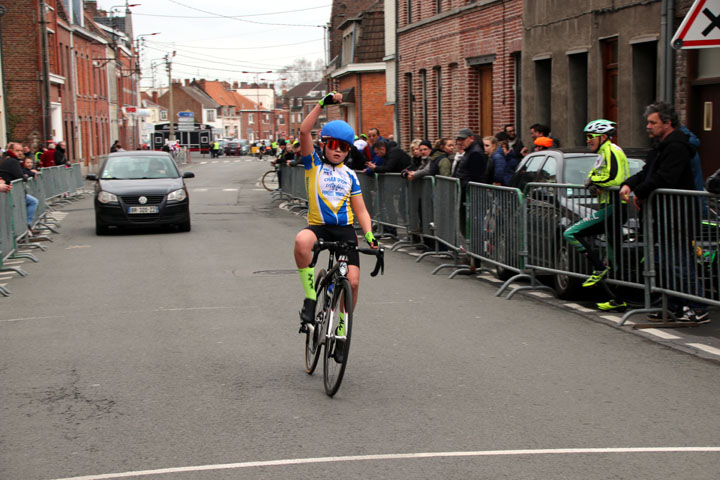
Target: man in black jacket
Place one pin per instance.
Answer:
(675, 218)
(395, 160)
(473, 166)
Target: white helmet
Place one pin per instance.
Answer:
(601, 126)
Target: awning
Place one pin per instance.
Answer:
(348, 95)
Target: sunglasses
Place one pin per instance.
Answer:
(590, 136)
(334, 143)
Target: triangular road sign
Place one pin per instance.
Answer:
(701, 26)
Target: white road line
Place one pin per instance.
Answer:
(575, 306)
(203, 163)
(397, 456)
(705, 348)
(660, 333)
(237, 161)
(226, 161)
(230, 189)
(540, 294)
(214, 161)
(615, 319)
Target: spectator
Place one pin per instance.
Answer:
(4, 187)
(473, 165)
(514, 141)
(669, 165)
(115, 146)
(414, 153)
(394, 160)
(543, 143)
(374, 136)
(28, 167)
(10, 170)
(38, 156)
(48, 158)
(424, 150)
(60, 157)
(511, 161)
(438, 161)
(497, 157)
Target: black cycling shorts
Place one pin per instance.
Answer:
(338, 233)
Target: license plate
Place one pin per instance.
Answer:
(143, 210)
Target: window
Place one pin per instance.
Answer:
(163, 115)
(423, 79)
(251, 118)
(438, 9)
(409, 96)
(543, 89)
(438, 99)
(210, 115)
(577, 96)
(409, 11)
(281, 120)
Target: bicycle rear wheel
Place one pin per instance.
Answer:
(337, 347)
(314, 336)
(270, 181)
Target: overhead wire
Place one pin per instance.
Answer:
(217, 15)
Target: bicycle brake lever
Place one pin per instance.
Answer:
(316, 252)
(379, 264)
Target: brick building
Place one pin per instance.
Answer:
(358, 71)
(458, 65)
(68, 77)
(613, 61)
(300, 100)
(235, 111)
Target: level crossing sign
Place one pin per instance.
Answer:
(701, 26)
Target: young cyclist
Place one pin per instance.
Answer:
(334, 196)
(610, 169)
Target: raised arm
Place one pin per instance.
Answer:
(306, 143)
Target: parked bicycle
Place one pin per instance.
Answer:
(334, 297)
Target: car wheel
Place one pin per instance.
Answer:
(565, 285)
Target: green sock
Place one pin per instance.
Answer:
(307, 277)
(341, 325)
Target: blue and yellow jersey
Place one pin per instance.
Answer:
(329, 189)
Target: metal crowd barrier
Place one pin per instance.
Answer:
(293, 186)
(674, 251)
(496, 226)
(50, 186)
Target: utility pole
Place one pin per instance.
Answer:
(171, 107)
(47, 119)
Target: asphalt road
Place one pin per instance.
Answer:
(176, 356)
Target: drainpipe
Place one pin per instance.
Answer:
(47, 120)
(359, 103)
(396, 113)
(666, 53)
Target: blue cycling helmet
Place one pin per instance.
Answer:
(340, 130)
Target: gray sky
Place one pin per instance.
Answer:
(219, 39)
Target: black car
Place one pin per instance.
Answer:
(233, 149)
(140, 188)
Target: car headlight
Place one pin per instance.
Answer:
(107, 197)
(177, 195)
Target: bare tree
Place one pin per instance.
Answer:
(301, 70)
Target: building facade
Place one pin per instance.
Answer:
(458, 65)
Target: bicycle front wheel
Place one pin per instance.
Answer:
(314, 336)
(270, 181)
(337, 338)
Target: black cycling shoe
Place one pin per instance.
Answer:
(307, 314)
(339, 353)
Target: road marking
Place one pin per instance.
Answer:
(396, 456)
(214, 161)
(230, 189)
(575, 306)
(540, 294)
(705, 348)
(9, 320)
(199, 189)
(660, 333)
(238, 161)
(226, 161)
(203, 163)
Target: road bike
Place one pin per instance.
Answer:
(334, 296)
(271, 180)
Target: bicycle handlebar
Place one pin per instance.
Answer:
(379, 253)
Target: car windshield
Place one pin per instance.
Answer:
(137, 167)
(577, 168)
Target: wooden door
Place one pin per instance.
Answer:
(485, 97)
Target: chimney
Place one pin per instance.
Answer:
(91, 8)
(155, 97)
(235, 85)
(187, 82)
